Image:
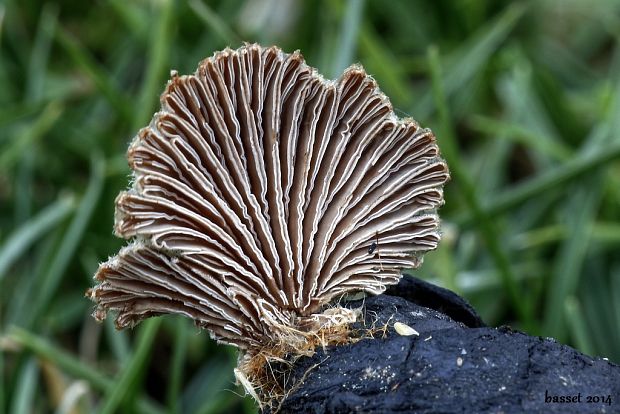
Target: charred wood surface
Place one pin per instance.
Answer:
(455, 365)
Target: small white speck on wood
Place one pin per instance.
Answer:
(405, 330)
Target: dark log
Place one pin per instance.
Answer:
(455, 365)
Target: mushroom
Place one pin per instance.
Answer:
(262, 193)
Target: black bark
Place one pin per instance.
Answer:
(455, 365)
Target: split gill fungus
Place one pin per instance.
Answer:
(261, 194)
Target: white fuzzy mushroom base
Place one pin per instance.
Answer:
(263, 192)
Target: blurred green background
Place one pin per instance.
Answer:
(523, 96)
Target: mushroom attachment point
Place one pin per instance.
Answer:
(257, 190)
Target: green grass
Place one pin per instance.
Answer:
(523, 96)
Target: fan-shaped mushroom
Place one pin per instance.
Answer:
(262, 192)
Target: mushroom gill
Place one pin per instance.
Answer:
(262, 192)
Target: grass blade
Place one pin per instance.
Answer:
(204, 392)
(12, 114)
(102, 80)
(132, 15)
(29, 135)
(383, 65)
(67, 362)
(2, 13)
(179, 356)
(118, 341)
(577, 325)
(519, 134)
(37, 69)
(2, 383)
(159, 51)
(134, 368)
(468, 60)
(71, 239)
(25, 388)
(466, 186)
(554, 178)
(348, 37)
(605, 233)
(71, 365)
(595, 296)
(579, 213)
(24, 181)
(31, 231)
(614, 288)
(213, 21)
